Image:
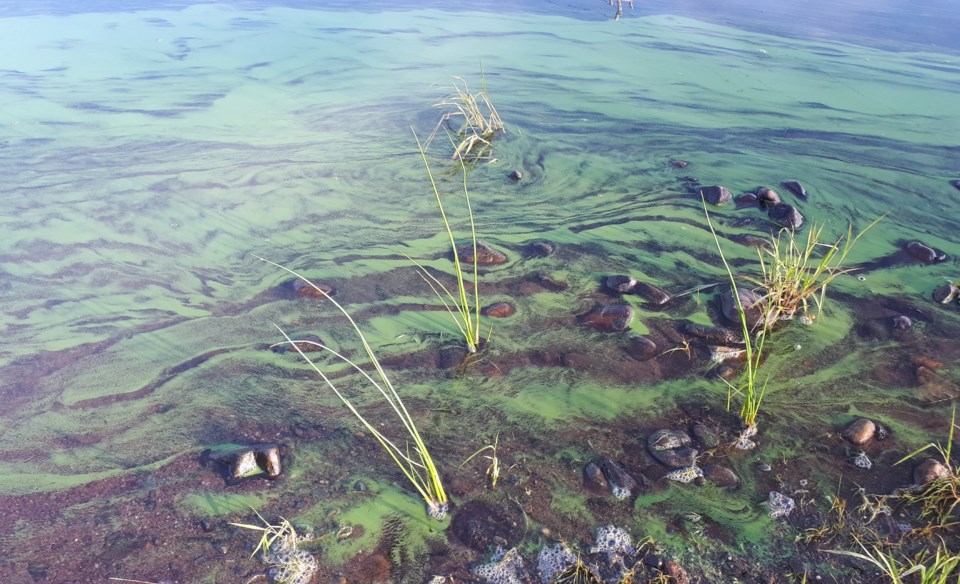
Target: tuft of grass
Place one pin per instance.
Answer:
(749, 391)
(493, 471)
(279, 546)
(417, 467)
(577, 573)
(939, 498)
(471, 120)
(796, 274)
(463, 304)
(941, 568)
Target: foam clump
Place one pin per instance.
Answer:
(686, 474)
(293, 567)
(862, 461)
(780, 504)
(505, 568)
(552, 560)
(614, 541)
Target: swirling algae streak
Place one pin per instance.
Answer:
(165, 376)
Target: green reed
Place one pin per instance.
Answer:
(472, 119)
(463, 304)
(418, 467)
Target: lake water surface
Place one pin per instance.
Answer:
(150, 149)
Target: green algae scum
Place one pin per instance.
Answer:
(151, 150)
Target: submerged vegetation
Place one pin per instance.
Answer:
(939, 498)
(418, 467)
(279, 544)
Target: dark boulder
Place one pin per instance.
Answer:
(542, 249)
(925, 253)
(651, 293)
(752, 240)
(717, 335)
(767, 197)
(956, 184)
(796, 188)
(483, 526)
(486, 255)
(667, 440)
(621, 483)
(928, 471)
(642, 348)
(705, 435)
(901, 323)
(785, 215)
(946, 293)
(754, 308)
(716, 195)
(682, 457)
(720, 476)
(621, 284)
(746, 200)
(594, 481)
(515, 175)
(860, 431)
(679, 163)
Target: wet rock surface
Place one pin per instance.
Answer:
(785, 215)
(251, 460)
(642, 348)
(621, 284)
(716, 195)
(796, 188)
(615, 318)
(622, 485)
(308, 343)
(752, 240)
(485, 256)
(720, 476)
(901, 323)
(713, 334)
(667, 440)
(746, 200)
(682, 457)
(651, 293)
(928, 471)
(860, 431)
(705, 435)
(767, 197)
(924, 253)
(946, 293)
(542, 249)
(751, 302)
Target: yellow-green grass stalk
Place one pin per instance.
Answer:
(749, 392)
(793, 277)
(480, 124)
(463, 305)
(942, 568)
(418, 468)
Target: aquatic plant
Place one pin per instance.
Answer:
(493, 471)
(419, 467)
(479, 122)
(577, 573)
(939, 498)
(939, 569)
(278, 543)
(794, 274)
(464, 304)
(748, 391)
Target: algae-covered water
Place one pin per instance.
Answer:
(149, 151)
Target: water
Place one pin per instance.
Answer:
(149, 150)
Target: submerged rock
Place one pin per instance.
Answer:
(753, 307)
(499, 310)
(486, 255)
(251, 460)
(928, 471)
(679, 163)
(901, 323)
(767, 197)
(621, 483)
(714, 334)
(747, 200)
(515, 175)
(956, 184)
(721, 476)
(614, 318)
(542, 249)
(705, 435)
(651, 293)
(594, 480)
(551, 283)
(667, 440)
(752, 241)
(682, 457)
(785, 215)
(946, 293)
(925, 253)
(306, 343)
(304, 289)
(716, 195)
(621, 284)
(484, 526)
(860, 431)
(642, 348)
(796, 188)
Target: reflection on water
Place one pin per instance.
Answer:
(148, 151)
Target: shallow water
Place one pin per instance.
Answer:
(150, 151)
